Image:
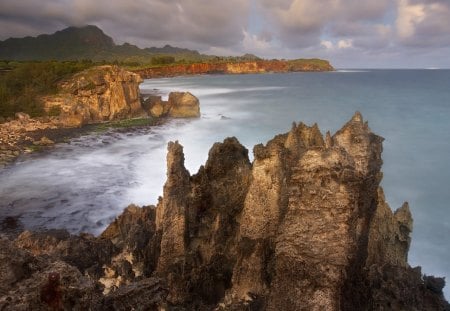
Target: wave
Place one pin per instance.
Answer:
(349, 71)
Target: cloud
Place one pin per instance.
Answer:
(301, 23)
(346, 30)
(408, 17)
(327, 44)
(423, 24)
(189, 22)
(345, 44)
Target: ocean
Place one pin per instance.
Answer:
(84, 184)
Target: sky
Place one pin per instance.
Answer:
(349, 33)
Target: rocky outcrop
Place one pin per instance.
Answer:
(179, 105)
(259, 66)
(303, 227)
(17, 132)
(97, 94)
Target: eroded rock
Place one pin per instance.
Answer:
(183, 105)
(303, 227)
(97, 94)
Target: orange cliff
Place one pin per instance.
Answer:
(261, 66)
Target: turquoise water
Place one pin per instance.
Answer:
(84, 184)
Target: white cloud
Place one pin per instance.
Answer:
(345, 44)
(424, 23)
(327, 44)
(255, 43)
(409, 15)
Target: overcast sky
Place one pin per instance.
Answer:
(350, 33)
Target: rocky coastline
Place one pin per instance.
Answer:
(247, 67)
(97, 95)
(305, 226)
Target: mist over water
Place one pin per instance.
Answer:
(84, 184)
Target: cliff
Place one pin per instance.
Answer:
(97, 94)
(260, 66)
(303, 227)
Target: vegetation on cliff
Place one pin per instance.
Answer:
(21, 83)
(33, 66)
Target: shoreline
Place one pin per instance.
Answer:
(231, 68)
(21, 141)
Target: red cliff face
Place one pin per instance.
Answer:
(262, 66)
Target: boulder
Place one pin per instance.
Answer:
(155, 106)
(183, 105)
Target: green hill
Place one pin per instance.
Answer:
(88, 42)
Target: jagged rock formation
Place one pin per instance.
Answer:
(303, 227)
(179, 105)
(98, 94)
(259, 66)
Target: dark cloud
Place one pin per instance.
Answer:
(328, 28)
(190, 22)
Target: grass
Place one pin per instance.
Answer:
(127, 123)
(21, 84)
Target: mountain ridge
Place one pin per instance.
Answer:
(76, 43)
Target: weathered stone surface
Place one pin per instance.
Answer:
(134, 234)
(24, 278)
(183, 105)
(303, 227)
(147, 294)
(97, 94)
(85, 252)
(179, 105)
(155, 106)
(246, 67)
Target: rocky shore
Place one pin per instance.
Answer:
(99, 94)
(305, 226)
(19, 135)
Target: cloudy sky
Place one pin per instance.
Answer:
(350, 33)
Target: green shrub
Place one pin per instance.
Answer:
(163, 60)
(21, 87)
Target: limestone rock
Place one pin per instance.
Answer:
(179, 105)
(24, 276)
(147, 294)
(59, 244)
(303, 227)
(183, 105)
(97, 94)
(155, 106)
(307, 229)
(243, 67)
(44, 141)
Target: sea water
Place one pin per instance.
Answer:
(84, 184)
